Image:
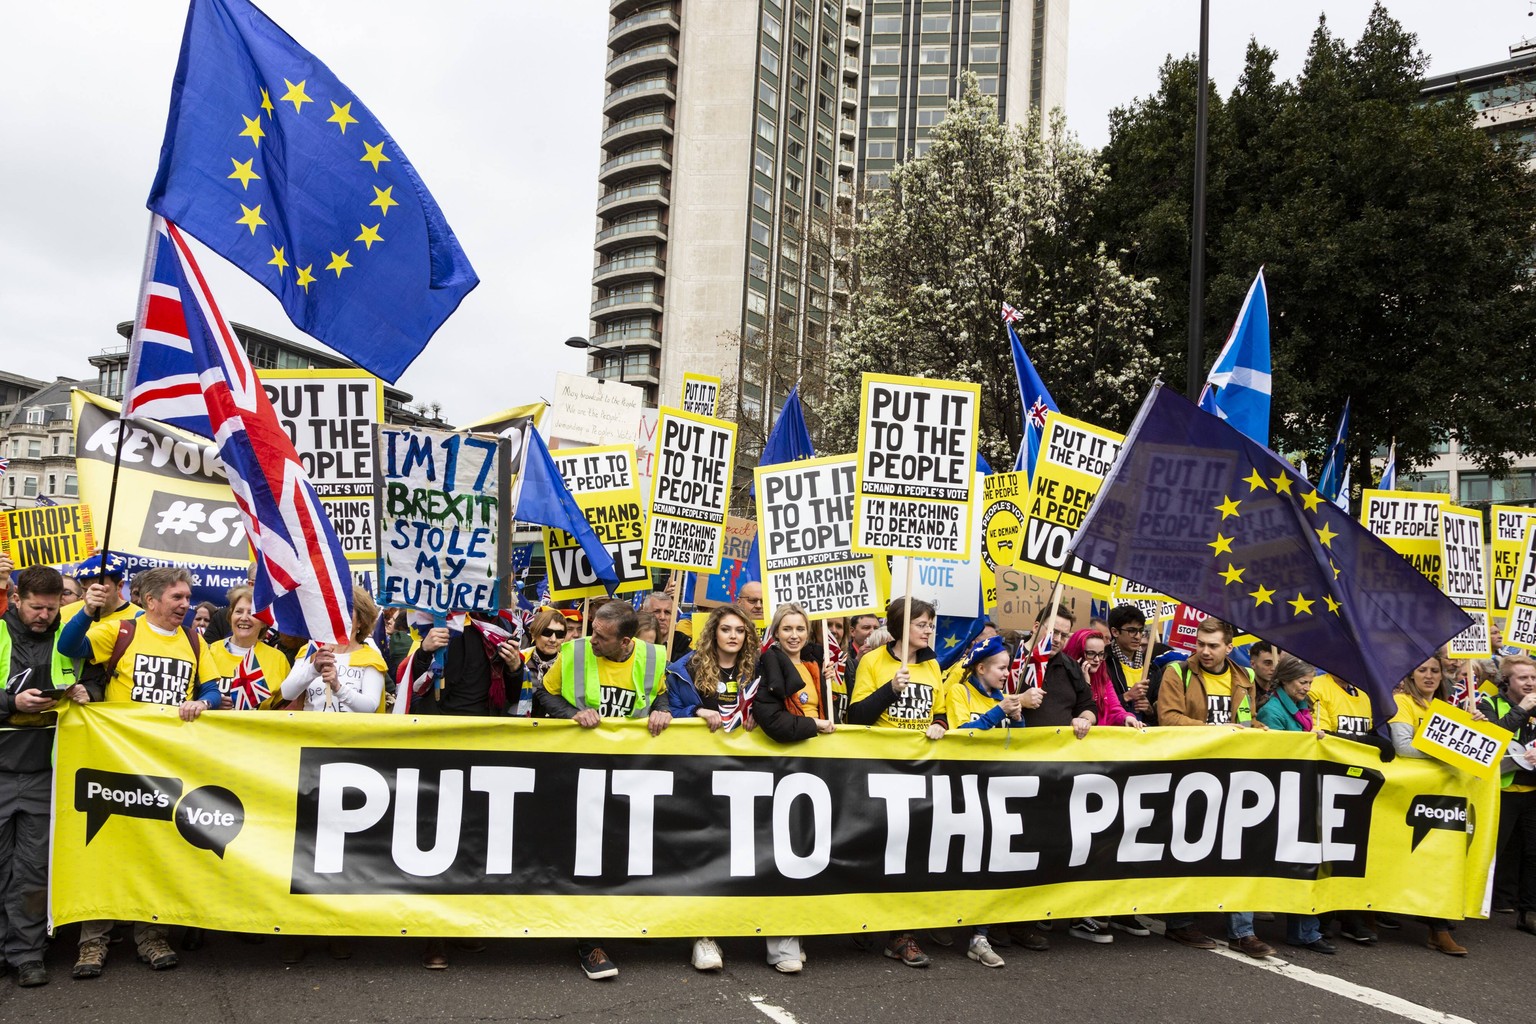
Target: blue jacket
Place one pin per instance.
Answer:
(682, 696)
(1279, 712)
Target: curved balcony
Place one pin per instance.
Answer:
(847, 129)
(634, 164)
(621, 200)
(628, 268)
(635, 233)
(642, 93)
(645, 25)
(850, 100)
(632, 63)
(622, 342)
(852, 67)
(845, 160)
(626, 305)
(639, 128)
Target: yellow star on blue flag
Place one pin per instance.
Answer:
(312, 177)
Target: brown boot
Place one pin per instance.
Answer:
(1441, 942)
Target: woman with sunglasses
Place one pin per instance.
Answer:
(549, 630)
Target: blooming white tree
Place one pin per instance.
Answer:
(993, 213)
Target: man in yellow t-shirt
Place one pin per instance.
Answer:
(161, 664)
(93, 571)
(607, 675)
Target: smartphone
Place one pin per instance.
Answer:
(57, 693)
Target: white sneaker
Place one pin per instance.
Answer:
(706, 955)
(981, 951)
(1090, 930)
(788, 966)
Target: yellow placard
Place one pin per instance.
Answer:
(1451, 734)
(173, 498)
(1520, 626)
(917, 458)
(1075, 457)
(1464, 579)
(1506, 540)
(314, 824)
(602, 480)
(1005, 502)
(690, 491)
(701, 394)
(47, 535)
(1409, 523)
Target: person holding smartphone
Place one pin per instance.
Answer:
(36, 678)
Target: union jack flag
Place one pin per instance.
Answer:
(248, 686)
(1028, 666)
(301, 571)
(737, 715)
(1011, 315)
(5, 464)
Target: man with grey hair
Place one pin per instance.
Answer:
(153, 660)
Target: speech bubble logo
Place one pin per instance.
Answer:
(210, 818)
(101, 794)
(1431, 812)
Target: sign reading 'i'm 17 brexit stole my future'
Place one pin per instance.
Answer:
(917, 458)
(1075, 457)
(690, 491)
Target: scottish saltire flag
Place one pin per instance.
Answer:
(301, 570)
(1238, 388)
(547, 501)
(273, 163)
(1389, 471)
(1198, 511)
(1332, 479)
(248, 686)
(1037, 401)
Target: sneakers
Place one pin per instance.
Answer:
(905, 949)
(1090, 930)
(980, 950)
(32, 974)
(706, 956)
(788, 966)
(1356, 931)
(596, 963)
(1253, 946)
(92, 959)
(158, 954)
(1026, 936)
(1131, 925)
(1190, 936)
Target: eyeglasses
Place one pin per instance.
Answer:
(1093, 655)
(1131, 630)
(553, 632)
(1059, 635)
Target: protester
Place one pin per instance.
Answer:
(144, 660)
(1126, 660)
(548, 629)
(1209, 689)
(706, 682)
(1065, 701)
(202, 615)
(750, 599)
(36, 676)
(648, 628)
(901, 686)
(1262, 658)
(607, 675)
(244, 654)
(1514, 708)
(977, 699)
(73, 591)
(113, 608)
(345, 677)
(793, 701)
(482, 670)
(661, 604)
(1099, 626)
(1087, 648)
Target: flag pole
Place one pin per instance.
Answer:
(906, 616)
(1197, 224)
(1152, 627)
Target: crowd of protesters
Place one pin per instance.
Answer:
(77, 638)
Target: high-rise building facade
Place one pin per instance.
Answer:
(725, 194)
(917, 50)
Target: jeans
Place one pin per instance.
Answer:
(1239, 924)
(1302, 929)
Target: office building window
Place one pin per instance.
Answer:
(824, 103)
(797, 117)
(800, 50)
(986, 23)
(759, 267)
(769, 95)
(770, 61)
(793, 182)
(29, 487)
(763, 162)
(882, 119)
(885, 55)
(797, 82)
(767, 129)
(934, 55)
(71, 486)
(984, 53)
(1517, 486)
(760, 233)
(881, 151)
(884, 86)
(761, 198)
(922, 147)
(987, 84)
(885, 23)
(933, 87)
(877, 179)
(927, 117)
(796, 150)
(757, 303)
(771, 27)
(802, 17)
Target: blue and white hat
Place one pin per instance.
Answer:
(91, 568)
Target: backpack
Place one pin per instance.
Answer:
(127, 629)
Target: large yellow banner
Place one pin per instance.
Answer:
(387, 825)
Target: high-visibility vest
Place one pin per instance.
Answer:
(578, 660)
(61, 674)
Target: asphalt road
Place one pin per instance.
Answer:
(1140, 980)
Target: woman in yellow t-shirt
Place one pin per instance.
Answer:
(245, 642)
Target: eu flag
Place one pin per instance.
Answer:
(1197, 511)
(275, 165)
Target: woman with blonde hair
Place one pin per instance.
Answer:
(341, 677)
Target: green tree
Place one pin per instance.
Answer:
(1396, 240)
(993, 213)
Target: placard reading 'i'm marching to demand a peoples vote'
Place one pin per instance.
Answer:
(805, 512)
(690, 491)
(1464, 578)
(917, 453)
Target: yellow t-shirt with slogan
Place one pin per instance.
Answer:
(919, 704)
(155, 668)
(1218, 696)
(615, 680)
(1338, 710)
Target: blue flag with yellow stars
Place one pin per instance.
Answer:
(275, 165)
(1197, 511)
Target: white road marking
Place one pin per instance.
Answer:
(777, 1014)
(1338, 986)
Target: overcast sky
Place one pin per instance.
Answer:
(498, 106)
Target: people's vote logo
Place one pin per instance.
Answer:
(1437, 812)
(209, 817)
